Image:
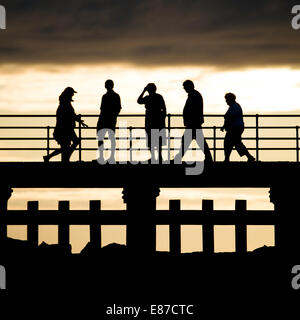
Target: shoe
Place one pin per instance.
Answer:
(251, 159)
(177, 159)
(46, 159)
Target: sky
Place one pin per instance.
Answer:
(228, 34)
(245, 47)
(248, 47)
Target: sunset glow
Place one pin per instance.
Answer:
(36, 89)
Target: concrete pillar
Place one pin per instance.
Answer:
(141, 206)
(287, 206)
(5, 194)
(208, 228)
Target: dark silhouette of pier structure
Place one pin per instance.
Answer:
(141, 186)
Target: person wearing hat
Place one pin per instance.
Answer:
(64, 132)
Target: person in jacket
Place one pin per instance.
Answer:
(193, 119)
(234, 127)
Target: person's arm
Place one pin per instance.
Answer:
(200, 103)
(79, 120)
(163, 107)
(119, 105)
(141, 99)
(226, 119)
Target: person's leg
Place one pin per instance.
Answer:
(228, 145)
(101, 133)
(65, 151)
(149, 143)
(160, 144)
(100, 138)
(186, 140)
(52, 154)
(75, 142)
(100, 143)
(112, 138)
(198, 136)
(208, 157)
(240, 147)
(158, 139)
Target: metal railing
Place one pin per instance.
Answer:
(256, 134)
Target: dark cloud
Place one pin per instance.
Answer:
(218, 33)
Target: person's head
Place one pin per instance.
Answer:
(109, 84)
(151, 88)
(230, 98)
(188, 86)
(67, 95)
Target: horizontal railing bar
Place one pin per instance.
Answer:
(25, 127)
(137, 149)
(142, 127)
(26, 139)
(142, 138)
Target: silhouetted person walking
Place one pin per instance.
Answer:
(64, 132)
(155, 118)
(234, 126)
(109, 111)
(193, 120)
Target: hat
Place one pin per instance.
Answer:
(69, 89)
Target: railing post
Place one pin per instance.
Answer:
(48, 140)
(240, 229)
(80, 134)
(215, 143)
(33, 228)
(257, 136)
(175, 229)
(169, 136)
(95, 229)
(208, 228)
(64, 228)
(130, 144)
(297, 143)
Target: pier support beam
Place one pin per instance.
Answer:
(287, 204)
(141, 229)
